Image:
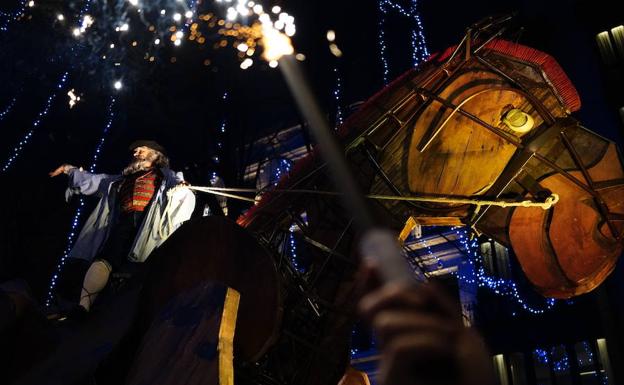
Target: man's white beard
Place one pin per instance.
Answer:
(137, 165)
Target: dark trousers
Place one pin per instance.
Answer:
(117, 247)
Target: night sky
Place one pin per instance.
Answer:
(180, 104)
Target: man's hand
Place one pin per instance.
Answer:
(62, 169)
(422, 338)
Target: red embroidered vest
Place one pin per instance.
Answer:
(136, 190)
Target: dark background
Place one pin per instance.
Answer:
(180, 104)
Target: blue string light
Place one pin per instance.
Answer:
(590, 362)
(419, 45)
(8, 109)
(561, 364)
(76, 219)
(36, 123)
(500, 286)
(337, 97)
(221, 133)
(107, 127)
(292, 249)
(282, 168)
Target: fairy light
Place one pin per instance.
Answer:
(222, 129)
(337, 97)
(78, 214)
(284, 164)
(292, 249)
(544, 357)
(17, 150)
(107, 127)
(6, 18)
(419, 46)
(8, 109)
(500, 286)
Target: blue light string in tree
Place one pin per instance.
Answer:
(590, 362)
(8, 109)
(36, 123)
(547, 358)
(500, 286)
(283, 168)
(6, 18)
(419, 44)
(337, 97)
(220, 135)
(63, 80)
(78, 214)
(193, 11)
(292, 249)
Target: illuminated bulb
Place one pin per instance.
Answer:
(86, 23)
(243, 47)
(162, 11)
(300, 57)
(273, 63)
(177, 17)
(112, 45)
(246, 63)
(124, 27)
(157, 41)
(118, 85)
(134, 2)
(60, 17)
(177, 43)
(277, 9)
(335, 50)
(76, 32)
(251, 4)
(188, 14)
(290, 30)
(331, 35)
(265, 19)
(179, 34)
(280, 24)
(31, 3)
(258, 9)
(244, 11)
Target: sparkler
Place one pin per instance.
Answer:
(73, 98)
(378, 245)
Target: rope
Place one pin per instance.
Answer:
(547, 204)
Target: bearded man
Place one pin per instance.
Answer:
(137, 212)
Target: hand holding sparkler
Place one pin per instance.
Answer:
(421, 335)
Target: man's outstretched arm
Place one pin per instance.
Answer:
(82, 182)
